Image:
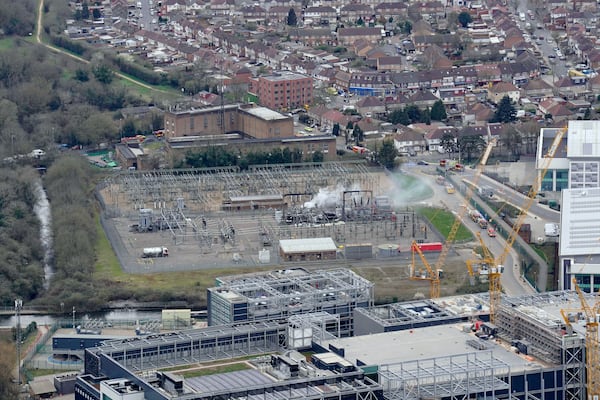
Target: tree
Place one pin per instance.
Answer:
(85, 11)
(399, 116)
(405, 27)
(96, 13)
(470, 145)
(414, 113)
(358, 134)
(336, 129)
(464, 18)
(103, 73)
(292, 19)
(81, 75)
(505, 112)
(317, 156)
(360, 21)
(511, 140)
(388, 153)
(426, 116)
(529, 132)
(438, 111)
(448, 143)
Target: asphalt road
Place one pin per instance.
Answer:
(512, 282)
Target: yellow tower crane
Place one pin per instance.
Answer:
(496, 268)
(592, 345)
(433, 273)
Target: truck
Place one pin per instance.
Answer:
(153, 252)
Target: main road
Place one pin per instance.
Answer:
(512, 281)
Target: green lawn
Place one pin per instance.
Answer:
(108, 268)
(443, 220)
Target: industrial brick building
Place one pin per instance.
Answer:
(284, 90)
(242, 128)
(250, 121)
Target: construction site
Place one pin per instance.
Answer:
(439, 348)
(196, 219)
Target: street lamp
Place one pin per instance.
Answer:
(18, 307)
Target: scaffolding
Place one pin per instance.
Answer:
(534, 320)
(280, 294)
(456, 377)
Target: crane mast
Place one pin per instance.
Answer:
(592, 344)
(433, 274)
(495, 287)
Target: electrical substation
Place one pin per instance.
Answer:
(222, 216)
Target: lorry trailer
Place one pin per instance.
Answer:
(155, 252)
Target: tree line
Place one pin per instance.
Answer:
(217, 156)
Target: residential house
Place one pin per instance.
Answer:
(347, 36)
(502, 89)
(221, 7)
(389, 63)
(254, 14)
(537, 89)
(369, 127)
(370, 106)
(279, 14)
(361, 47)
(312, 36)
(452, 97)
(427, 10)
(353, 12)
(423, 98)
(409, 141)
(434, 137)
(397, 10)
(488, 73)
(332, 117)
(447, 42)
(370, 84)
(572, 87)
(395, 102)
(320, 15)
(558, 17)
(477, 114)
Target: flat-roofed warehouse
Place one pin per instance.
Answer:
(309, 249)
(279, 294)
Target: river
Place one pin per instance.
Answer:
(42, 211)
(114, 315)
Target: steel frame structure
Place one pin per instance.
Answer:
(278, 295)
(458, 377)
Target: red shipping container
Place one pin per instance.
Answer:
(430, 247)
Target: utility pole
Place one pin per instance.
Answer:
(18, 307)
(73, 317)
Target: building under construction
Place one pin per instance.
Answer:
(280, 294)
(434, 349)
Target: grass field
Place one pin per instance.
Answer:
(443, 220)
